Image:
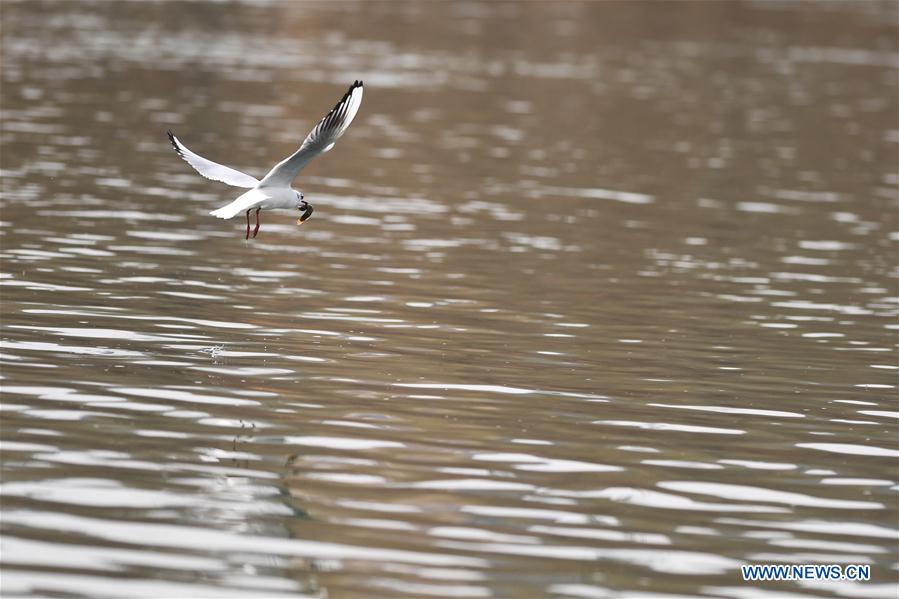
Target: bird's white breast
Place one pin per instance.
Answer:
(279, 198)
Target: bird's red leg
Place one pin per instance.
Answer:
(248, 225)
(256, 230)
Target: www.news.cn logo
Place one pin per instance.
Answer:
(806, 572)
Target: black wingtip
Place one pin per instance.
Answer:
(174, 143)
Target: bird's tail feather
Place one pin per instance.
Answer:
(250, 199)
(225, 212)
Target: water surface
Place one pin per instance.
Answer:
(598, 300)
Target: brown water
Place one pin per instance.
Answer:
(598, 300)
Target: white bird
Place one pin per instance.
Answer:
(273, 192)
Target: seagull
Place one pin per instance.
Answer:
(273, 192)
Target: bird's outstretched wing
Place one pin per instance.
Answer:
(319, 141)
(212, 170)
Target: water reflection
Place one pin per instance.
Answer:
(600, 300)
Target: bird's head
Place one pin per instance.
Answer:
(303, 206)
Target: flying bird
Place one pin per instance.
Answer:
(273, 192)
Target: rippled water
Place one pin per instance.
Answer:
(598, 300)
